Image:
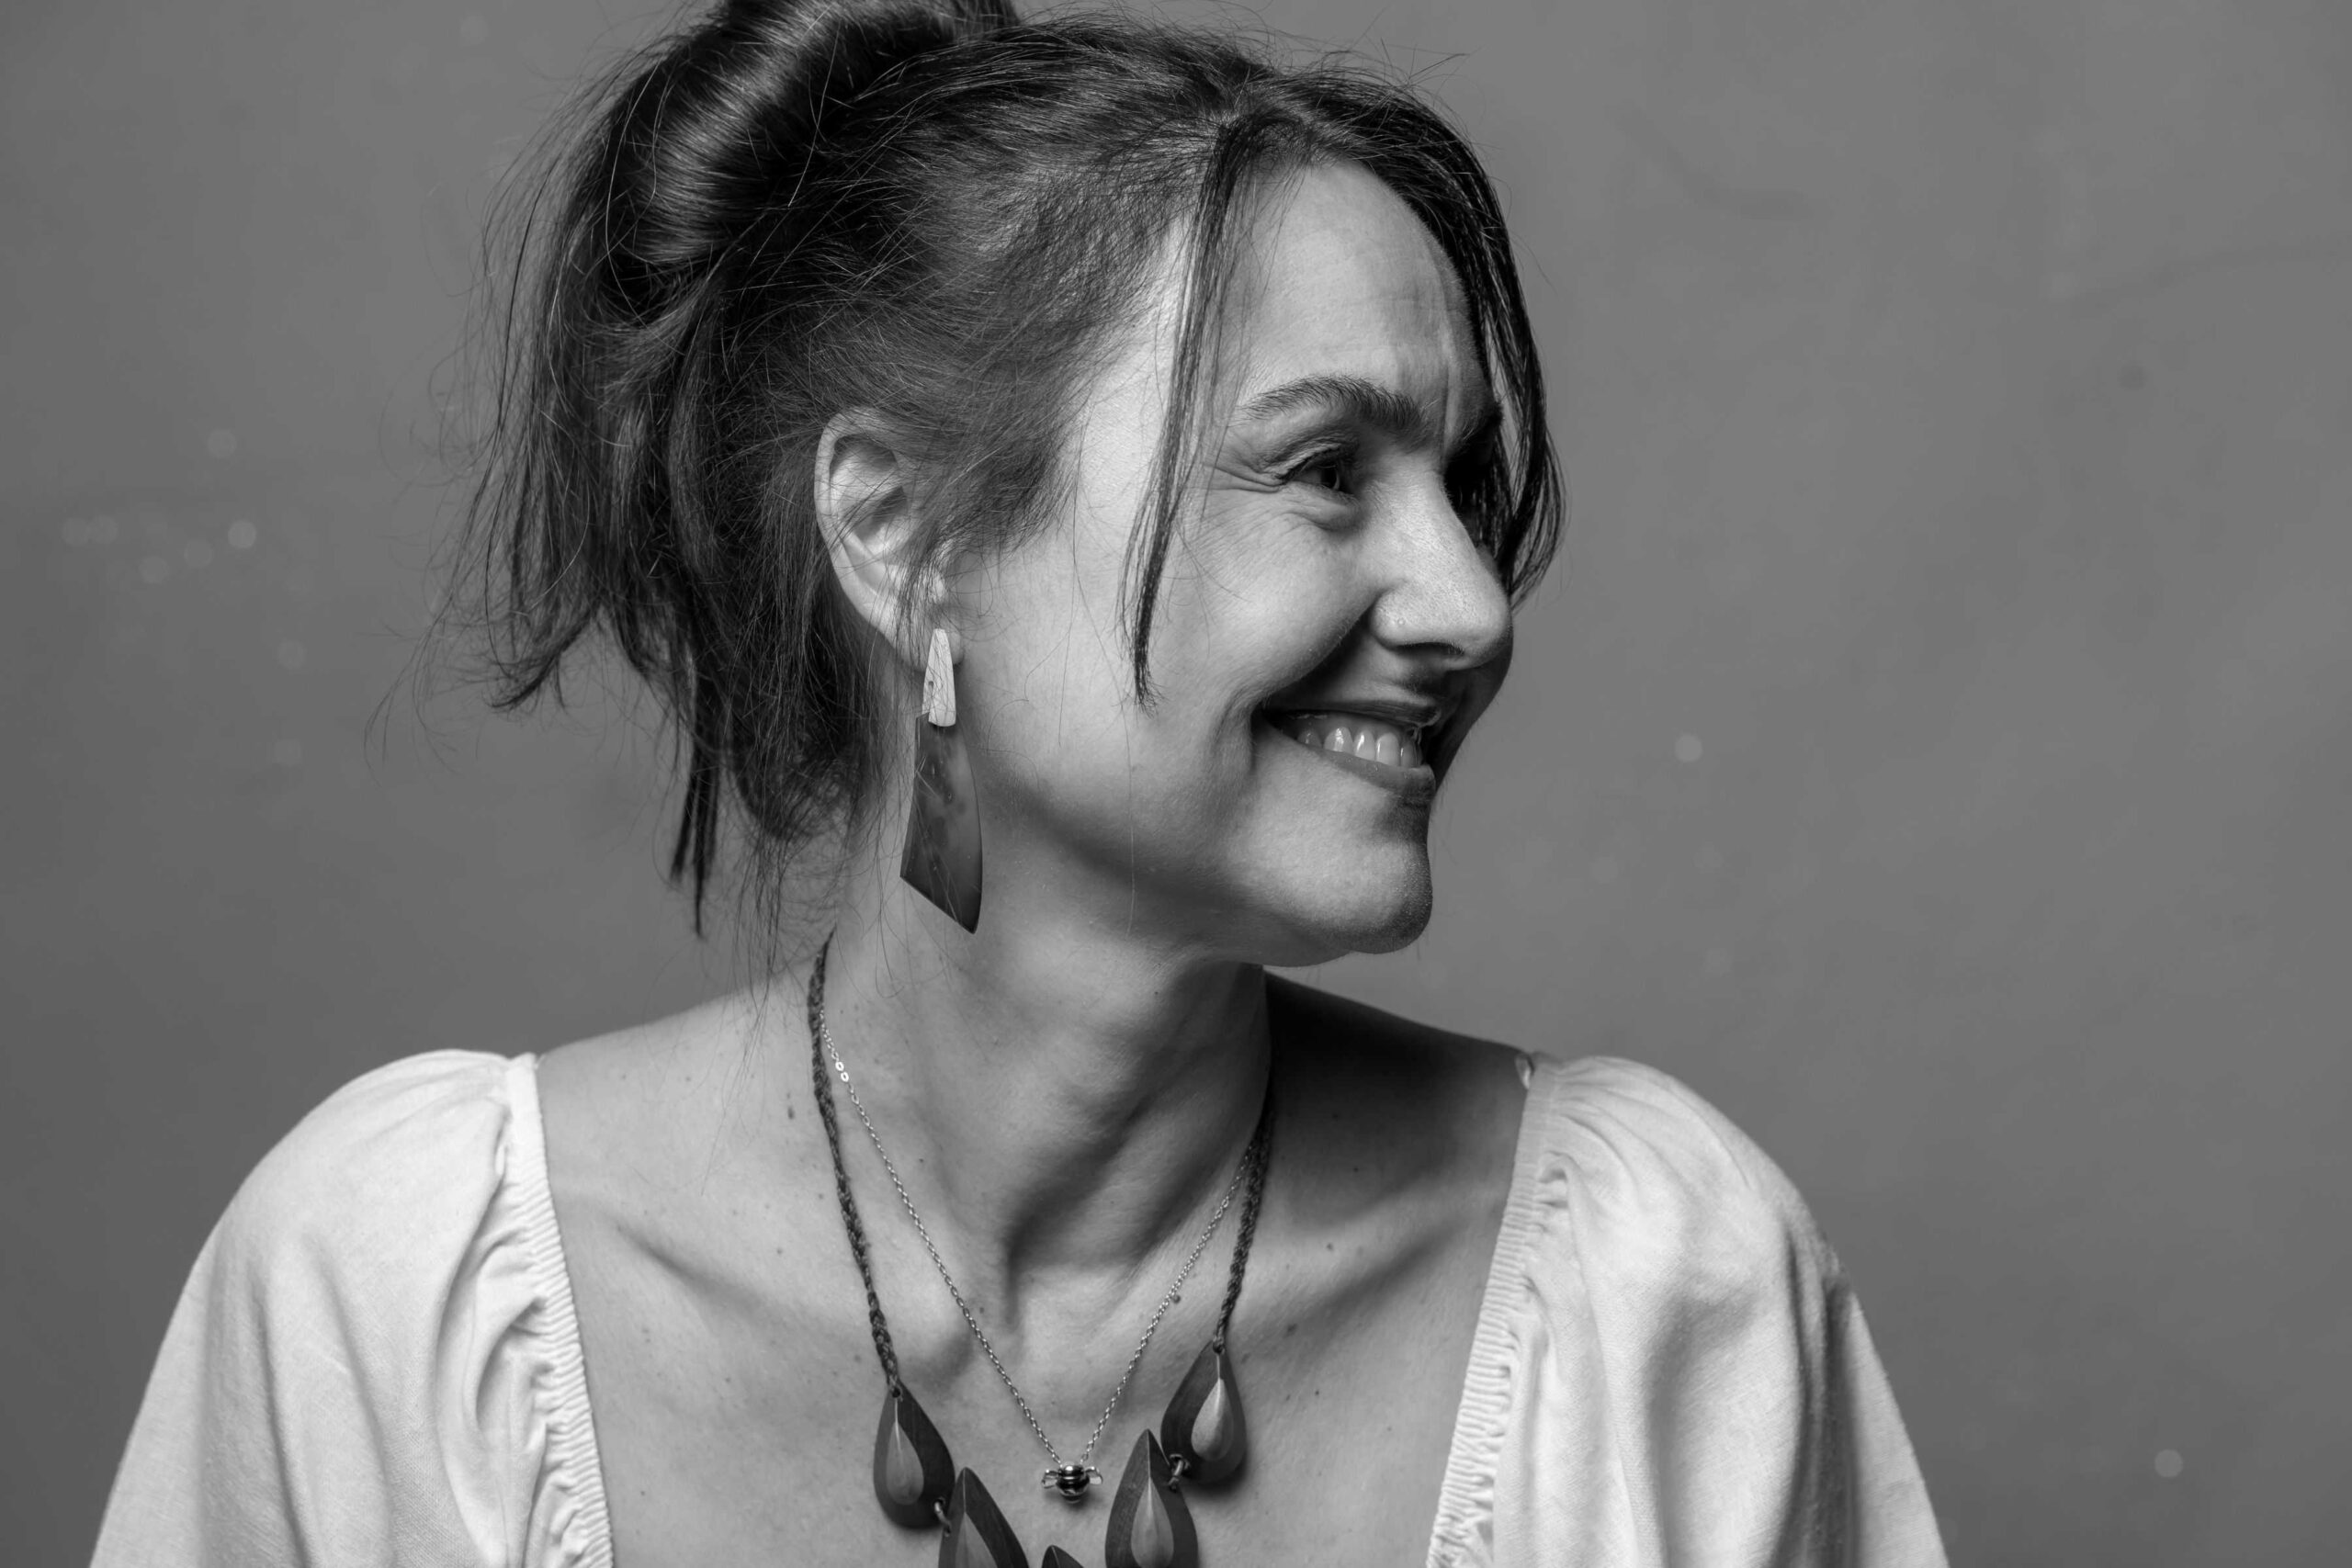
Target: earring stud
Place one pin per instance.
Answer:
(939, 682)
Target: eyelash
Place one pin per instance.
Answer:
(1464, 472)
(1344, 458)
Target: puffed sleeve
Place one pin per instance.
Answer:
(368, 1362)
(1671, 1367)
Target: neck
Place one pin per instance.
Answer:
(1060, 1095)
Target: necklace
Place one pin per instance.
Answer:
(1068, 1481)
(1202, 1437)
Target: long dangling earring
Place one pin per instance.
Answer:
(943, 855)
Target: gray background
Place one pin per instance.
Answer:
(1933, 746)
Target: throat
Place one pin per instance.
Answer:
(1053, 1121)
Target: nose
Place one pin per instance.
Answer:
(1442, 595)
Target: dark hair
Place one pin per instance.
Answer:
(927, 209)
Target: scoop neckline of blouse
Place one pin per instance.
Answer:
(1482, 1402)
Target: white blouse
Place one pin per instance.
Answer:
(376, 1359)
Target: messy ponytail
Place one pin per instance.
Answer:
(926, 208)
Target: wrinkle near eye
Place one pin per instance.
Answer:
(1247, 471)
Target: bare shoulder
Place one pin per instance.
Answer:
(614, 1084)
(644, 1108)
(1427, 1104)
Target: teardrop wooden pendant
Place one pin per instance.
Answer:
(1203, 1426)
(1150, 1526)
(913, 1474)
(1057, 1558)
(977, 1534)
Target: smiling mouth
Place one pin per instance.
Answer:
(1362, 738)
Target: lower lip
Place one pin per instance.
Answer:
(1416, 783)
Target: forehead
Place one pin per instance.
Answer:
(1337, 277)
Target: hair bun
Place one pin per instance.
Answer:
(705, 137)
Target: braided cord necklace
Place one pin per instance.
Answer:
(1202, 1437)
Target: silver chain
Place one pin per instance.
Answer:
(972, 1321)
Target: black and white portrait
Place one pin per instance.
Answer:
(1177, 784)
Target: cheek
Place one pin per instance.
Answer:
(1049, 679)
(1248, 604)
(1252, 607)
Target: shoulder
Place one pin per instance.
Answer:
(360, 1181)
(1642, 1164)
(393, 1265)
(1666, 1320)
(1664, 1191)
(376, 1345)
(379, 1203)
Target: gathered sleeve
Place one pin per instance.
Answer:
(1671, 1367)
(375, 1359)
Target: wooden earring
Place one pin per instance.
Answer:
(942, 860)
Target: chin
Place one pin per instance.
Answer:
(1363, 918)
(1400, 928)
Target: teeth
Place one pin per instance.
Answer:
(1373, 740)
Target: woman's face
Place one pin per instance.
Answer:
(1326, 630)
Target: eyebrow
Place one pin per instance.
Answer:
(1368, 403)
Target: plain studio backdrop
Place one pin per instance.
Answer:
(1933, 745)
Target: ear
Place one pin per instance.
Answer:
(872, 524)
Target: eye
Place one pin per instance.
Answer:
(1333, 470)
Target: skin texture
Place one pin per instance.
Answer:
(1066, 1092)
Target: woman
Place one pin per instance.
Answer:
(1069, 483)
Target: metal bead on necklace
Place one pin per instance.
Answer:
(1202, 1437)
